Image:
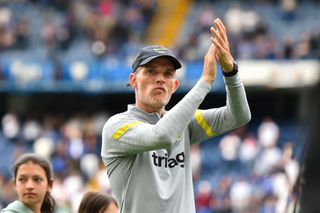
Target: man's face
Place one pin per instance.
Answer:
(154, 83)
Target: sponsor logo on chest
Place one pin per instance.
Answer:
(168, 162)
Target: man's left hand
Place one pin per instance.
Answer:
(220, 40)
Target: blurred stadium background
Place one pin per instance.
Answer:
(64, 66)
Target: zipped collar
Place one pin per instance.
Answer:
(149, 116)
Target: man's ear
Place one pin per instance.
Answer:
(132, 80)
(176, 85)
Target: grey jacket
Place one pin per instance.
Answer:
(148, 156)
(16, 207)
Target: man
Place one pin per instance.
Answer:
(147, 149)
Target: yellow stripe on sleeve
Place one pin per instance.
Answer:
(123, 129)
(203, 124)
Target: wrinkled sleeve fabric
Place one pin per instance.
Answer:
(212, 122)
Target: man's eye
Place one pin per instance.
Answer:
(150, 70)
(170, 74)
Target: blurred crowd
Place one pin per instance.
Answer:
(101, 29)
(104, 27)
(257, 30)
(257, 169)
(258, 172)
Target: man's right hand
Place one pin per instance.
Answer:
(210, 65)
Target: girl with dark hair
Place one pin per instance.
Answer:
(33, 180)
(98, 202)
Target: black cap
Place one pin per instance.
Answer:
(149, 53)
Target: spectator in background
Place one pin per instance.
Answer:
(233, 19)
(33, 181)
(11, 126)
(98, 202)
(222, 202)
(240, 195)
(22, 33)
(270, 154)
(229, 148)
(314, 43)
(204, 198)
(289, 8)
(248, 151)
(288, 48)
(7, 36)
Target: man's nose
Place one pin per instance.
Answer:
(160, 78)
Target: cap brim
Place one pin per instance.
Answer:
(176, 63)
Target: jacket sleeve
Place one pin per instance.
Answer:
(216, 121)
